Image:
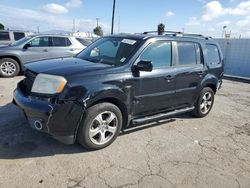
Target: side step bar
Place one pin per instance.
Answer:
(156, 117)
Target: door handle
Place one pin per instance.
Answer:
(169, 78)
(45, 50)
(71, 49)
(201, 72)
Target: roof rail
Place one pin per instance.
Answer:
(178, 33)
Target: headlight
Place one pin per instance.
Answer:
(48, 84)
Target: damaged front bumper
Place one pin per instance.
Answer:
(59, 120)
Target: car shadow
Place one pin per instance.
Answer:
(18, 140)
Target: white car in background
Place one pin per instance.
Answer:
(35, 48)
(8, 36)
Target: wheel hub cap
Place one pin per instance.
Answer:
(103, 128)
(8, 68)
(206, 103)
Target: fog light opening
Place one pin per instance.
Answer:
(38, 125)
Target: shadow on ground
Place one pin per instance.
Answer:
(18, 140)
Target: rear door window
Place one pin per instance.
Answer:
(18, 35)
(188, 53)
(4, 36)
(212, 54)
(60, 42)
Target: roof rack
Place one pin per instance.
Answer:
(166, 32)
(178, 33)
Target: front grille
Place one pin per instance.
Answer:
(28, 81)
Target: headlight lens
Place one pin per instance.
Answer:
(48, 84)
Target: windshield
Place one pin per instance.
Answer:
(20, 41)
(110, 50)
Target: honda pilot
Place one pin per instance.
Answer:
(118, 82)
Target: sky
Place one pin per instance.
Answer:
(132, 16)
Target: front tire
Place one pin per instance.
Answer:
(204, 103)
(101, 125)
(9, 68)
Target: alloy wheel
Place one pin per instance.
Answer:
(103, 128)
(8, 68)
(206, 102)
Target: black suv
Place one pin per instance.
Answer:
(120, 81)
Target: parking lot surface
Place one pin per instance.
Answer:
(178, 152)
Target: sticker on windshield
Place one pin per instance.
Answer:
(122, 59)
(129, 41)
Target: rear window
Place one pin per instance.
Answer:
(212, 54)
(18, 35)
(84, 41)
(60, 41)
(4, 36)
(187, 53)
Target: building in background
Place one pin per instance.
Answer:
(84, 35)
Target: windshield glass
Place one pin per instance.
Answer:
(21, 41)
(110, 50)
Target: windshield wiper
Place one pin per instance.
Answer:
(91, 60)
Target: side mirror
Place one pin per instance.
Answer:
(26, 46)
(144, 66)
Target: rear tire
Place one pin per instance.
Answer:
(9, 68)
(100, 126)
(204, 103)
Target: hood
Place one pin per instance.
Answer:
(65, 66)
(7, 47)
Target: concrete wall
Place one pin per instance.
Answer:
(237, 56)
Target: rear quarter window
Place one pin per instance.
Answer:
(4, 36)
(212, 54)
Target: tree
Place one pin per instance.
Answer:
(98, 31)
(1, 26)
(161, 29)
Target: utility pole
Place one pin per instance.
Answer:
(113, 18)
(97, 22)
(38, 29)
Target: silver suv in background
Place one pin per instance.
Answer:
(8, 37)
(35, 48)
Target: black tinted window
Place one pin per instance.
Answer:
(187, 53)
(4, 36)
(18, 35)
(84, 41)
(159, 53)
(212, 54)
(60, 41)
(68, 42)
(40, 42)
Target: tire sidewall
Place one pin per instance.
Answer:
(198, 109)
(12, 61)
(83, 133)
